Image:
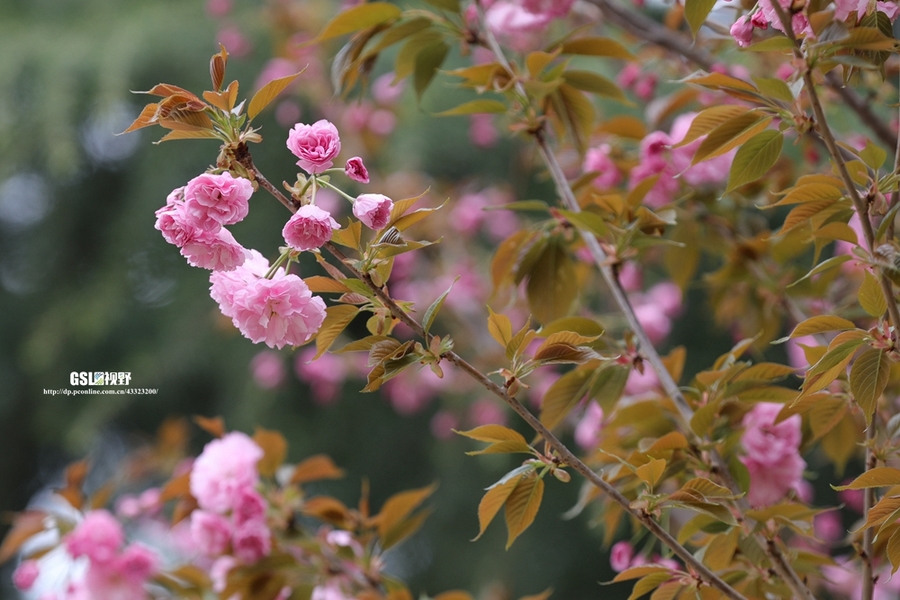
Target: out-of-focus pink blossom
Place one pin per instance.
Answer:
(356, 170)
(514, 26)
(217, 251)
(252, 541)
(382, 122)
(287, 111)
(640, 383)
(124, 577)
(548, 8)
(587, 432)
(621, 555)
(385, 91)
(772, 454)
(854, 499)
(235, 41)
(315, 145)
(828, 526)
(442, 424)
(667, 296)
(99, 537)
(218, 572)
(309, 228)
(25, 574)
(276, 68)
(225, 467)
(128, 507)
(799, 22)
(374, 210)
(249, 506)
(654, 321)
(486, 412)
(482, 131)
(218, 8)
(324, 375)
(630, 277)
(598, 160)
(268, 369)
(214, 200)
(329, 591)
(796, 356)
(210, 532)
(642, 83)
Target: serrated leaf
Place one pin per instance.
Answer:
(588, 81)
(399, 506)
(500, 327)
(522, 506)
(359, 17)
(475, 107)
(874, 156)
(435, 308)
(730, 134)
(775, 88)
(867, 38)
(823, 266)
(316, 468)
(871, 296)
(193, 134)
(879, 513)
(427, 62)
(821, 324)
(580, 325)
(754, 158)
(586, 221)
(651, 472)
(710, 118)
(648, 583)
(876, 477)
(348, 236)
(492, 502)
(868, 378)
(765, 372)
(552, 283)
(825, 415)
(640, 571)
(575, 112)
(336, 320)
(318, 284)
(809, 192)
(493, 433)
(267, 93)
(597, 46)
(696, 11)
(565, 393)
(564, 337)
(832, 365)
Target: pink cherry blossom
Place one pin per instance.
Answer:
(514, 26)
(742, 31)
(639, 383)
(324, 375)
(218, 572)
(251, 541)
(482, 131)
(587, 432)
(215, 200)
(225, 467)
(667, 296)
(549, 8)
(214, 251)
(174, 222)
(315, 145)
(598, 160)
(799, 22)
(309, 228)
(356, 170)
(385, 91)
(210, 532)
(268, 369)
(621, 555)
(279, 311)
(99, 537)
(374, 210)
(772, 454)
(248, 506)
(25, 574)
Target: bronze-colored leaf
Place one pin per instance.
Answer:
(522, 506)
(274, 448)
(267, 93)
(316, 468)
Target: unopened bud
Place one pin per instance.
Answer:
(562, 475)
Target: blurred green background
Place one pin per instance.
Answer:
(87, 284)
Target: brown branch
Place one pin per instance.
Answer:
(567, 456)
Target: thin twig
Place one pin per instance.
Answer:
(567, 456)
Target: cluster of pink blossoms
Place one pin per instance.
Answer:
(742, 30)
(232, 514)
(518, 23)
(772, 454)
(114, 572)
(194, 217)
(279, 311)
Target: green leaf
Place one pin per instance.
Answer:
(830, 366)
(565, 393)
(586, 221)
(774, 87)
(581, 325)
(267, 93)
(696, 11)
(651, 472)
(588, 81)
(893, 550)
(552, 283)
(755, 158)
(871, 296)
(868, 378)
(710, 118)
(874, 156)
(359, 17)
(336, 320)
(435, 308)
(821, 324)
(492, 502)
(473, 107)
(522, 506)
(428, 61)
(597, 46)
(730, 134)
(649, 583)
(500, 328)
(451, 5)
(492, 434)
(823, 266)
(575, 112)
(877, 477)
(778, 42)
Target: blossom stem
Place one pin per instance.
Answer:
(336, 189)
